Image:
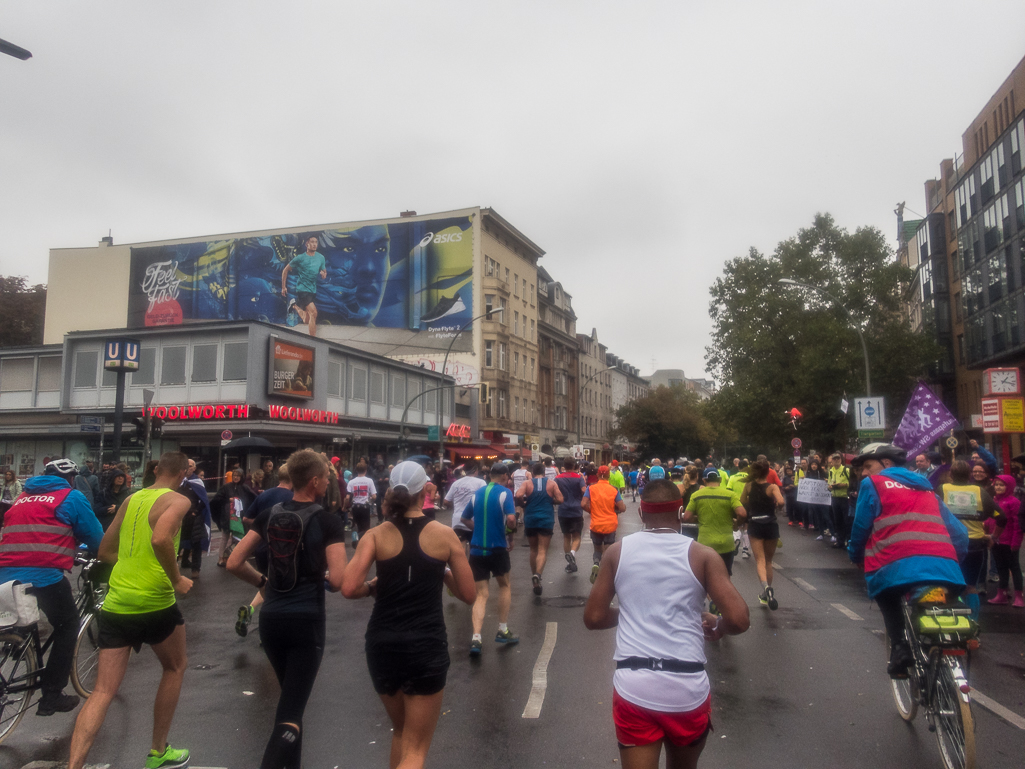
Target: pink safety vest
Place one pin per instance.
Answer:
(34, 537)
(909, 524)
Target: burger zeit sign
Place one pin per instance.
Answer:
(212, 411)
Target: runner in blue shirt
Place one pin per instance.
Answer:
(489, 513)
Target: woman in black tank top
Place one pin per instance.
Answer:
(406, 641)
(761, 498)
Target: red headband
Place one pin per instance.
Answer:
(671, 506)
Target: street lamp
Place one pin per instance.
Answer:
(834, 300)
(444, 365)
(15, 50)
(580, 395)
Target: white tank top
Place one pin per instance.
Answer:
(660, 603)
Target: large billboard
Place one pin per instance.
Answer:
(290, 372)
(409, 281)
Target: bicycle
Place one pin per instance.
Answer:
(940, 634)
(22, 651)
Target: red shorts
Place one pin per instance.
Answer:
(637, 726)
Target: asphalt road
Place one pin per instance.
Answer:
(804, 687)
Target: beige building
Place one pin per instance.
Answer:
(595, 409)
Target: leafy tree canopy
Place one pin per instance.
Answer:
(668, 422)
(776, 347)
(22, 310)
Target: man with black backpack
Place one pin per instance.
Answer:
(303, 543)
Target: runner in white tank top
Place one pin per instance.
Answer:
(661, 691)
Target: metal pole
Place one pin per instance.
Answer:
(119, 410)
(147, 399)
(405, 412)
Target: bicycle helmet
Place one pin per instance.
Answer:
(880, 451)
(62, 468)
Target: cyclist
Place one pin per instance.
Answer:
(41, 531)
(905, 536)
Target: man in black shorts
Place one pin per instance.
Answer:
(571, 512)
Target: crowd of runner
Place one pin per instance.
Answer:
(297, 531)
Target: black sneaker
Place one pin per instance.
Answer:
(57, 703)
(770, 599)
(447, 306)
(571, 563)
(536, 579)
(900, 660)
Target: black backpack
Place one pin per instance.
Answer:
(287, 561)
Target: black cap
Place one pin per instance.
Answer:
(499, 468)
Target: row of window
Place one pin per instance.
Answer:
(490, 348)
(233, 358)
(20, 375)
(493, 269)
(994, 332)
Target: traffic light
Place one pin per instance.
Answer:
(140, 428)
(156, 427)
(484, 394)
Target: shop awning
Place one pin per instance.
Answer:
(481, 453)
(503, 449)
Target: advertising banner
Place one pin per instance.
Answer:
(378, 281)
(291, 370)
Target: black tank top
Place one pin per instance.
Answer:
(408, 609)
(761, 505)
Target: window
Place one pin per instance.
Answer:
(204, 363)
(147, 372)
(172, 366)
(1019, 203)
(992, 227)
(533, 338)
(516, 364)
(501, 356)
(516, 285)
(960, 348)
(377, 387)
(516, 409)
(957, 306)
(533, 412)
(1017, 142)
(965, 205)
(235, 367)
(532, 379)
(502, 413)
(431, 400)
(398, 391)
(1001, 165)
(489, 304)
(987, 184)
(531, 294)
(507, 276)
(86, 365)
(525, 296)
(489, 354)
(48, 379)
(922, 237)
(108, 378)
(16, 374)
(413, 391)
(505, 315)
(359, 384)
(489, 411)
(334, 378)
(516, 324)
(491, 268)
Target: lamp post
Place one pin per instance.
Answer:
(444, 365)
(405, 413)
(834, 300)
(580, 395)
(14, 50)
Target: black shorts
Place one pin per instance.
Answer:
(116, 631)
(727, 558)
(571, 525)
(763, 530)
(603, 539)
(361, 517)
(537, 531)
(304, 299)
(465, 535)
(412, 671)
(496, 563)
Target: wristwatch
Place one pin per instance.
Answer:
(263, 581)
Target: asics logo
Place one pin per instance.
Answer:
(452, 237)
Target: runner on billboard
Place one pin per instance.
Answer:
(307, 267)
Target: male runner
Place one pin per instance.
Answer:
(520, 476)
(362, 492)
(656, 472)
(571, 512)
(604, 502)
(550, 471)
(616, 479)
(538, 497)
(715, 508)
(459, 495)
(306, 267)
(490, 514)
(661, 692)
(140, 608)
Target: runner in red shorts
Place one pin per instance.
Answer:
(661, 695)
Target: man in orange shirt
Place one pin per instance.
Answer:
(604, 502)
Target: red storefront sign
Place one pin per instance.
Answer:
(211, 411)
(457, 431)
(293, 414)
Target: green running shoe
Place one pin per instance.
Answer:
(171, 758)
(245, 616)
(506, 638)
(594, 573)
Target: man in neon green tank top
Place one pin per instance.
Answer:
(140, 608)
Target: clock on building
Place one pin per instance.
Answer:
(1001, 381)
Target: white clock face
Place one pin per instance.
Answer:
(1004, 382)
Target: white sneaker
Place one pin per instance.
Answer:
(818, 538)
(745, 553)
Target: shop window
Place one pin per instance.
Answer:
(334, 378)
(235, 367)
(48, 379)
(86, 365)
(398, 391)
(146, 373)
(359, 384)
(377, 387)
(16, 375)
(172, 366)
(204, 363)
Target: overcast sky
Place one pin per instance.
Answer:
(640, 144)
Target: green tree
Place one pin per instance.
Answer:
(668, 422)
(776, 347)
(22, 310)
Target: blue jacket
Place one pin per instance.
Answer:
(916, 570)
(987, 458)
(203, 517)
(76, 512)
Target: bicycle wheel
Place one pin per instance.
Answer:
(87, 657)
(955, 727)
(17, 661)
(905, 692)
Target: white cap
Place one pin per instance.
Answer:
(409, 475)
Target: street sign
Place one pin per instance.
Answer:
(121, 355)
(91, 428)
(226, 435)
(796, 443)
(844, 405)
(870, 436)
(432, 433)
(90, 420)
(869, 414)
(951, 442)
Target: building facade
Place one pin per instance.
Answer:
(557, 373)
(595, 396)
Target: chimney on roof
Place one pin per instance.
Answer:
(107, 241)
(407, 213)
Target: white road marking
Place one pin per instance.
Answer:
(540, 675)
(844, 610)
(995, 707)
(776, 567)
(802, 584)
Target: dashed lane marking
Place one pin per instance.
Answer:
(997, 709)
(540, 675)
(847, 612)
(802, 584)
(776, 567)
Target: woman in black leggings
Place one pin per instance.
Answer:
(406, 641)
(292, 619)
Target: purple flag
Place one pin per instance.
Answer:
(925, 420)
